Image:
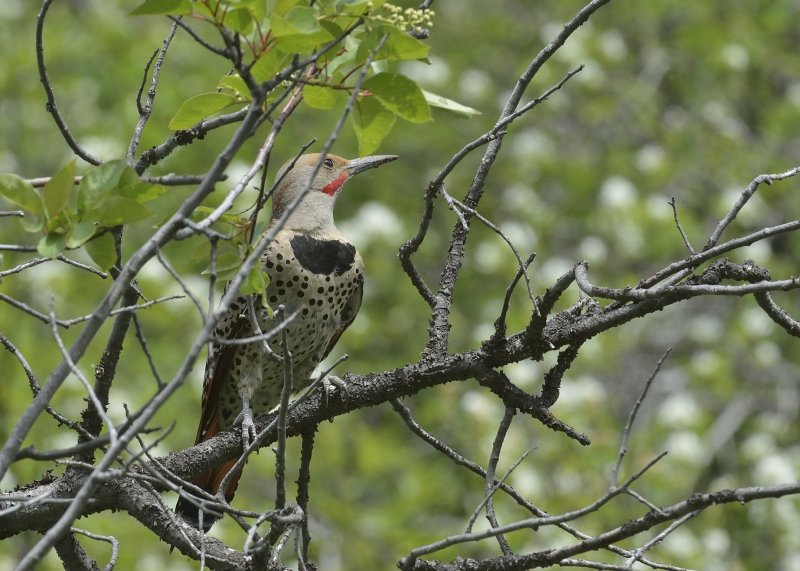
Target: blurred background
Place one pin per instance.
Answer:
(685, 100)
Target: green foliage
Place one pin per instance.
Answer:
(289, 29)
(163, 7)
(21, 192)
(200, 107)
(371, 122)
(71, 215)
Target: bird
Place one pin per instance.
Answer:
(315, 276)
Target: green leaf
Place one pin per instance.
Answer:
(150, 7)
(356, 6)
(202, 10)
(400, 95)
(372, 122)
(58, 188)
(319, 97)
(98, 182)
(227, 261)
(400, 46)
(21, 192)
(198, 108)
(255, 282)
(165, 205)
(80, 233)
(280, 7)
(299, 20)
(268, 65)
(298, 30)
(235, 83)
(449, 105)
(102, 251)
(239, 20)
(51, 245)
(117, 210)
(142, 191)
(33, 223)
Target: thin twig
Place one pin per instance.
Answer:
(533, 522)
(16, 248)
(106, 538)
(176, 276)
(489, 485)
(626, 432)
(219, 51)
(146, 109)
(777, 314)
(500, 322)
(303, 487)
(99, 407)
(51, 106)
(679, 291)
(286, 391)
(497, 484)
(685, 238)
(747, 193)
(700, 257)
(34, 384)
(146, 350)
(658, 539)
(520, 263)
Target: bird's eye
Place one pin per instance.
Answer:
(328, 163)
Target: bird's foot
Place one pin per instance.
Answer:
(332, 384)
(245, 419)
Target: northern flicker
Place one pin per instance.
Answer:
(317, 276)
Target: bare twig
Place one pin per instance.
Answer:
(685, 238)
(746, 195)
(280, 453)
(183, 25)
(146, 109)
(52, 107)
(106, 538)
(489, 486)
(500, 322)
(303, 486)
(534, 522)
(674, 292)
(777, 314)
(440, 327)
(34, 384)
(146, 350)
(626, 432)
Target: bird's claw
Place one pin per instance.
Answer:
(330, 384)
(245, 419)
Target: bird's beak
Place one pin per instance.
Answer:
(356, 166)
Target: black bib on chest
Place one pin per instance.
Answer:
(323, 256)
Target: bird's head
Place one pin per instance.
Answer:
(315, 210)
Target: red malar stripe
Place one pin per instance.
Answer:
(333, 186)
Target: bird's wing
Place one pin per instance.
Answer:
(218, 368)
(349, 312)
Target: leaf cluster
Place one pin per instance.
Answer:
(71, 216)
(278, 32)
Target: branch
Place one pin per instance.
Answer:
(146, 109)
(439, 329)
(52, 107)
